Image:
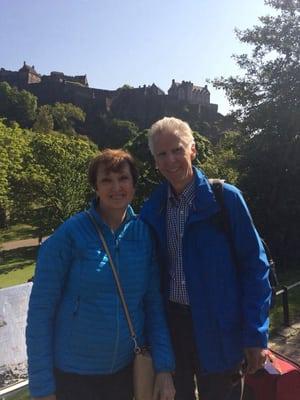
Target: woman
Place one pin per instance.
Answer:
(78, 341)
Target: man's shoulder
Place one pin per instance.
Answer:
(231, 190)
(155, 199)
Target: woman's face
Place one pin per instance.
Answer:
(115, 189)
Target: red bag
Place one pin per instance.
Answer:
(279, 380)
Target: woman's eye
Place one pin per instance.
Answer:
(124, 178)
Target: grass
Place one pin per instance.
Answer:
(23, 394)
(17, 232)
(276, 315)
(17, 265)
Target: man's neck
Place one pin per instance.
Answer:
(179, 189)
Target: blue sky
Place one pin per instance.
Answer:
(131, 41)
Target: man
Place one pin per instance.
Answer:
(218, 312)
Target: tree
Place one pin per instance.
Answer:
(44, 122)
(54, 184)
(148, 174)
(14, 149)
(117, 133)
(224, 160)
(17, 105)
(267, 101)
(126, 87)
(43, 177)
(66, 116)
(268, 95)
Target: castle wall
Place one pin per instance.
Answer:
(13, 78)
(142, 105)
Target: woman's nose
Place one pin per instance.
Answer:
(115, 185)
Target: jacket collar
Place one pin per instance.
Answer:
(93, 210)
(204, 206)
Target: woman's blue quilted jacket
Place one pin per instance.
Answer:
(75, 320)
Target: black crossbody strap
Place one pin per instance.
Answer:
(217, 188)
(137, 349)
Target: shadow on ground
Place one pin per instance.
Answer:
(12, 260)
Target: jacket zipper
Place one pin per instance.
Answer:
(76, 308)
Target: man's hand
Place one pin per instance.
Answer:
(163, 387)
(256, 358)
(50, 397)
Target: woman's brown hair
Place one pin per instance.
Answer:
(113, 160)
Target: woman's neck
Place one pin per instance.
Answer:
(112, 218)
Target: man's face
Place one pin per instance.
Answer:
(174, 158)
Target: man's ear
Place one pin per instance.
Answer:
(193, 151)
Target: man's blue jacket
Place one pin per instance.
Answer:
(75, 320)
(229, 303)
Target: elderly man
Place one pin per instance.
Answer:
(218, 311)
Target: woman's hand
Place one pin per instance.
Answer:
(50, 397)
(164, 387)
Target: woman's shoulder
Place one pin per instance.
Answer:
(68, 228)
(137, 228)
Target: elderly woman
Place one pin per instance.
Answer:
(78, 341)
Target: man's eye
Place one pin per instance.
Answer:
(124, 178)
(178, 150)
(105, 180)
(160, 155)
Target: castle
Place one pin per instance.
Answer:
(142, 105)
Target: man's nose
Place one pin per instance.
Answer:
(170, 157)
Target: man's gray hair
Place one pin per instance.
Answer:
(171, 125)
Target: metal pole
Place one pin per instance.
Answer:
(285, 306)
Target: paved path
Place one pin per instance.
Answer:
(287, 342)
(15, 244)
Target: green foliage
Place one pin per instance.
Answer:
(61, 117)
(224, 162)
(268, 95)
(149, 175)
(43, 177)
(267, 100)
(126, 87)
(65, 115)
(44, 122)
(17, 105)
(21, 106)
(204, 148)
(54, 184)
(117, 133)
(271, 171)
(276, 316)
(14, 149)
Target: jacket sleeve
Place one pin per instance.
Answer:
(253, 270)
(157, 332)
(53, 263)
